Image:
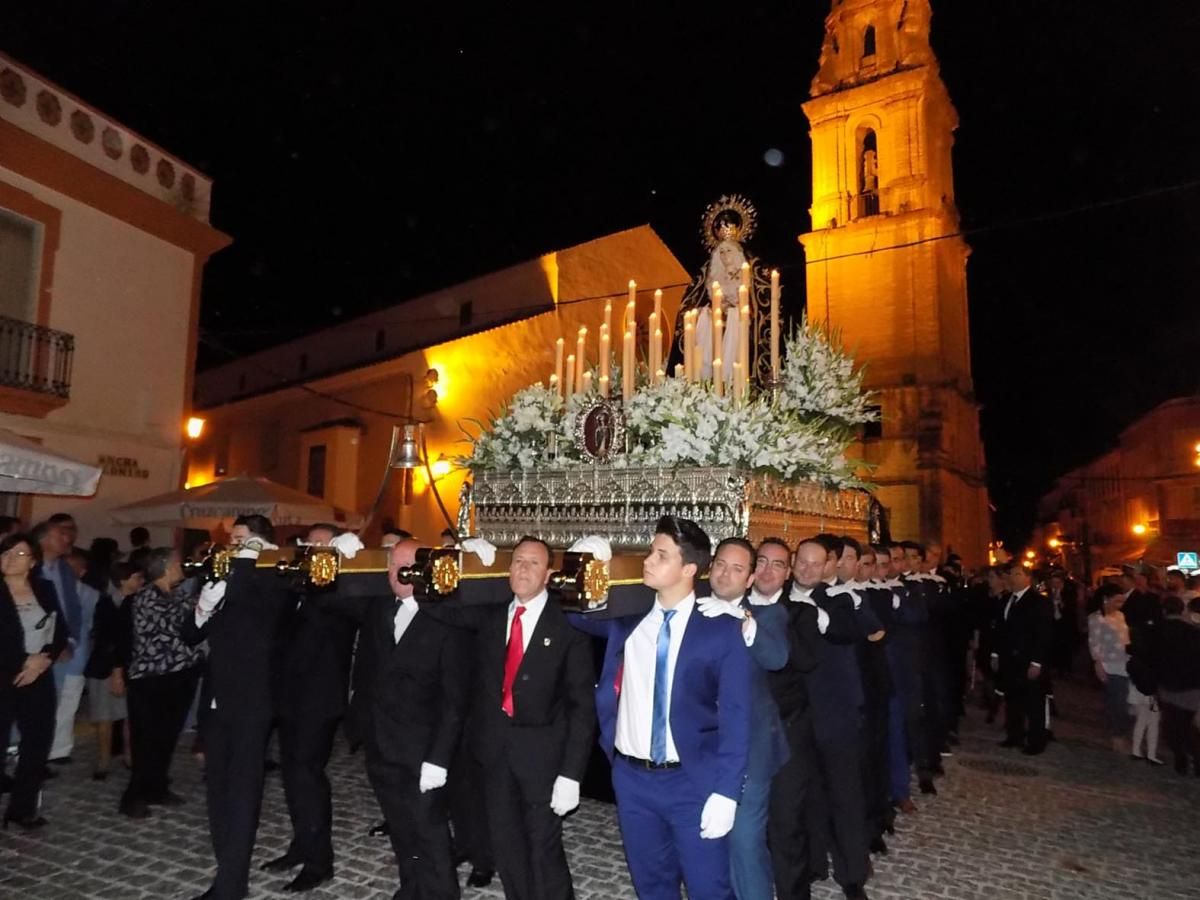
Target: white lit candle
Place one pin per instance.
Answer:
(679, 373)
(775, 325)
(569, 384)
(738, 384)
(718, 377)
(627, 364)
(580, 356)
(558, 365)
(659, 365)
(744, 345)
(587, 383)
(605, 344)
(604, 386)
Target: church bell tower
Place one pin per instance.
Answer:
(887, 268)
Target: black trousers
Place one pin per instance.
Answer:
(910, 684)
(468, 811)
(526, 834)
(787, 825)
(1025, 709)
(1181, 736)
(158, 707)
(234, 749)
(305, 745)
(420, 830)
(935, 696)
(32, 709)
(875, 771)
(836, 814)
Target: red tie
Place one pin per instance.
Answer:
(512, 659)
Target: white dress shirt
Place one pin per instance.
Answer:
(406, 611)
(529, 618)
(635, 708)
(757, 599)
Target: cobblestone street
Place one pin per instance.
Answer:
(1077, 822)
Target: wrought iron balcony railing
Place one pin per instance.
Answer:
(34, 358)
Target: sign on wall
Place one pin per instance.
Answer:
(122, 467)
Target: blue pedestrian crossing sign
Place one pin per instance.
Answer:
(1188, 560)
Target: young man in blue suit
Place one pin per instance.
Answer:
(674, 702)
(765, 632)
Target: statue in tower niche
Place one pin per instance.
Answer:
(726, 227)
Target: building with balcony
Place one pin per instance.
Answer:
(1139, 502)
(103, 241)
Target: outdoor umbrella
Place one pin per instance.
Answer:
(29, 468)
(222, 501)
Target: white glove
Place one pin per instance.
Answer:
(347, 544)
(594, 544)
(565, 796)
(716, 819)
(253, 547)
(711, 607)
(211, 595)
(895, 601)
(484, 549)
(432, 777)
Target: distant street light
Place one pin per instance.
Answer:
(1054, 543)
(194, 428)
(1139, 529)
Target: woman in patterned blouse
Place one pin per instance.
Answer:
(161, 681)
(1108, 640)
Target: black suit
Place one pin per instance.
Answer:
(312, 685)
(549, 734)
(408, 708)
(240, 634)
(787, 828)
(32, 706)
(1026, 636)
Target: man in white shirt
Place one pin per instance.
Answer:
(532, 721)
(409, 704)
(675, 720)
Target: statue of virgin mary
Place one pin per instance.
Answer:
(727, 225)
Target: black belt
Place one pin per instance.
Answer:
(646, 763)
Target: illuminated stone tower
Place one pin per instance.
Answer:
(885, 265)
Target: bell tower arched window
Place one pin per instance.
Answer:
(868, 174)
(869, 44)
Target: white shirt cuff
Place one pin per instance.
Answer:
(822, 620)
(749, 632)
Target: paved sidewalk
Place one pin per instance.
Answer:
(1077, 822)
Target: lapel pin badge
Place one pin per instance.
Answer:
(545, 642)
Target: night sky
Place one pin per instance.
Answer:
(367, 153)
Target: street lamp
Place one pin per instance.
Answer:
(1054, 543)
(1139, 529)
(193, 428)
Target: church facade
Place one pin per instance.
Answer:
(886, 265)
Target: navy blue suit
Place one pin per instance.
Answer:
(750, 860)
(710, 719)
(837, 812)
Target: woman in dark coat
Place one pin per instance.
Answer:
(32, 636)
(112, 646)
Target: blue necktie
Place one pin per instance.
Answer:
(658, 718)
(72, 609)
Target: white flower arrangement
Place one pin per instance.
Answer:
(800, 434)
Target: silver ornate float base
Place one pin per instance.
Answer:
(563, 505)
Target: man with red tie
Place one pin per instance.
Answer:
(533, 719)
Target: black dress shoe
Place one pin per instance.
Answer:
(854, 892)
(379, 829)
(99, 775)
(134, 809)
(168, 798)
(27, 824)
(1034, 750)
(6, 783)
(307, 880)
(283, 863)
(207, 895)
(1009, 743)
(928, 787)
(480, 877)
(878, 846)
(61, 760)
